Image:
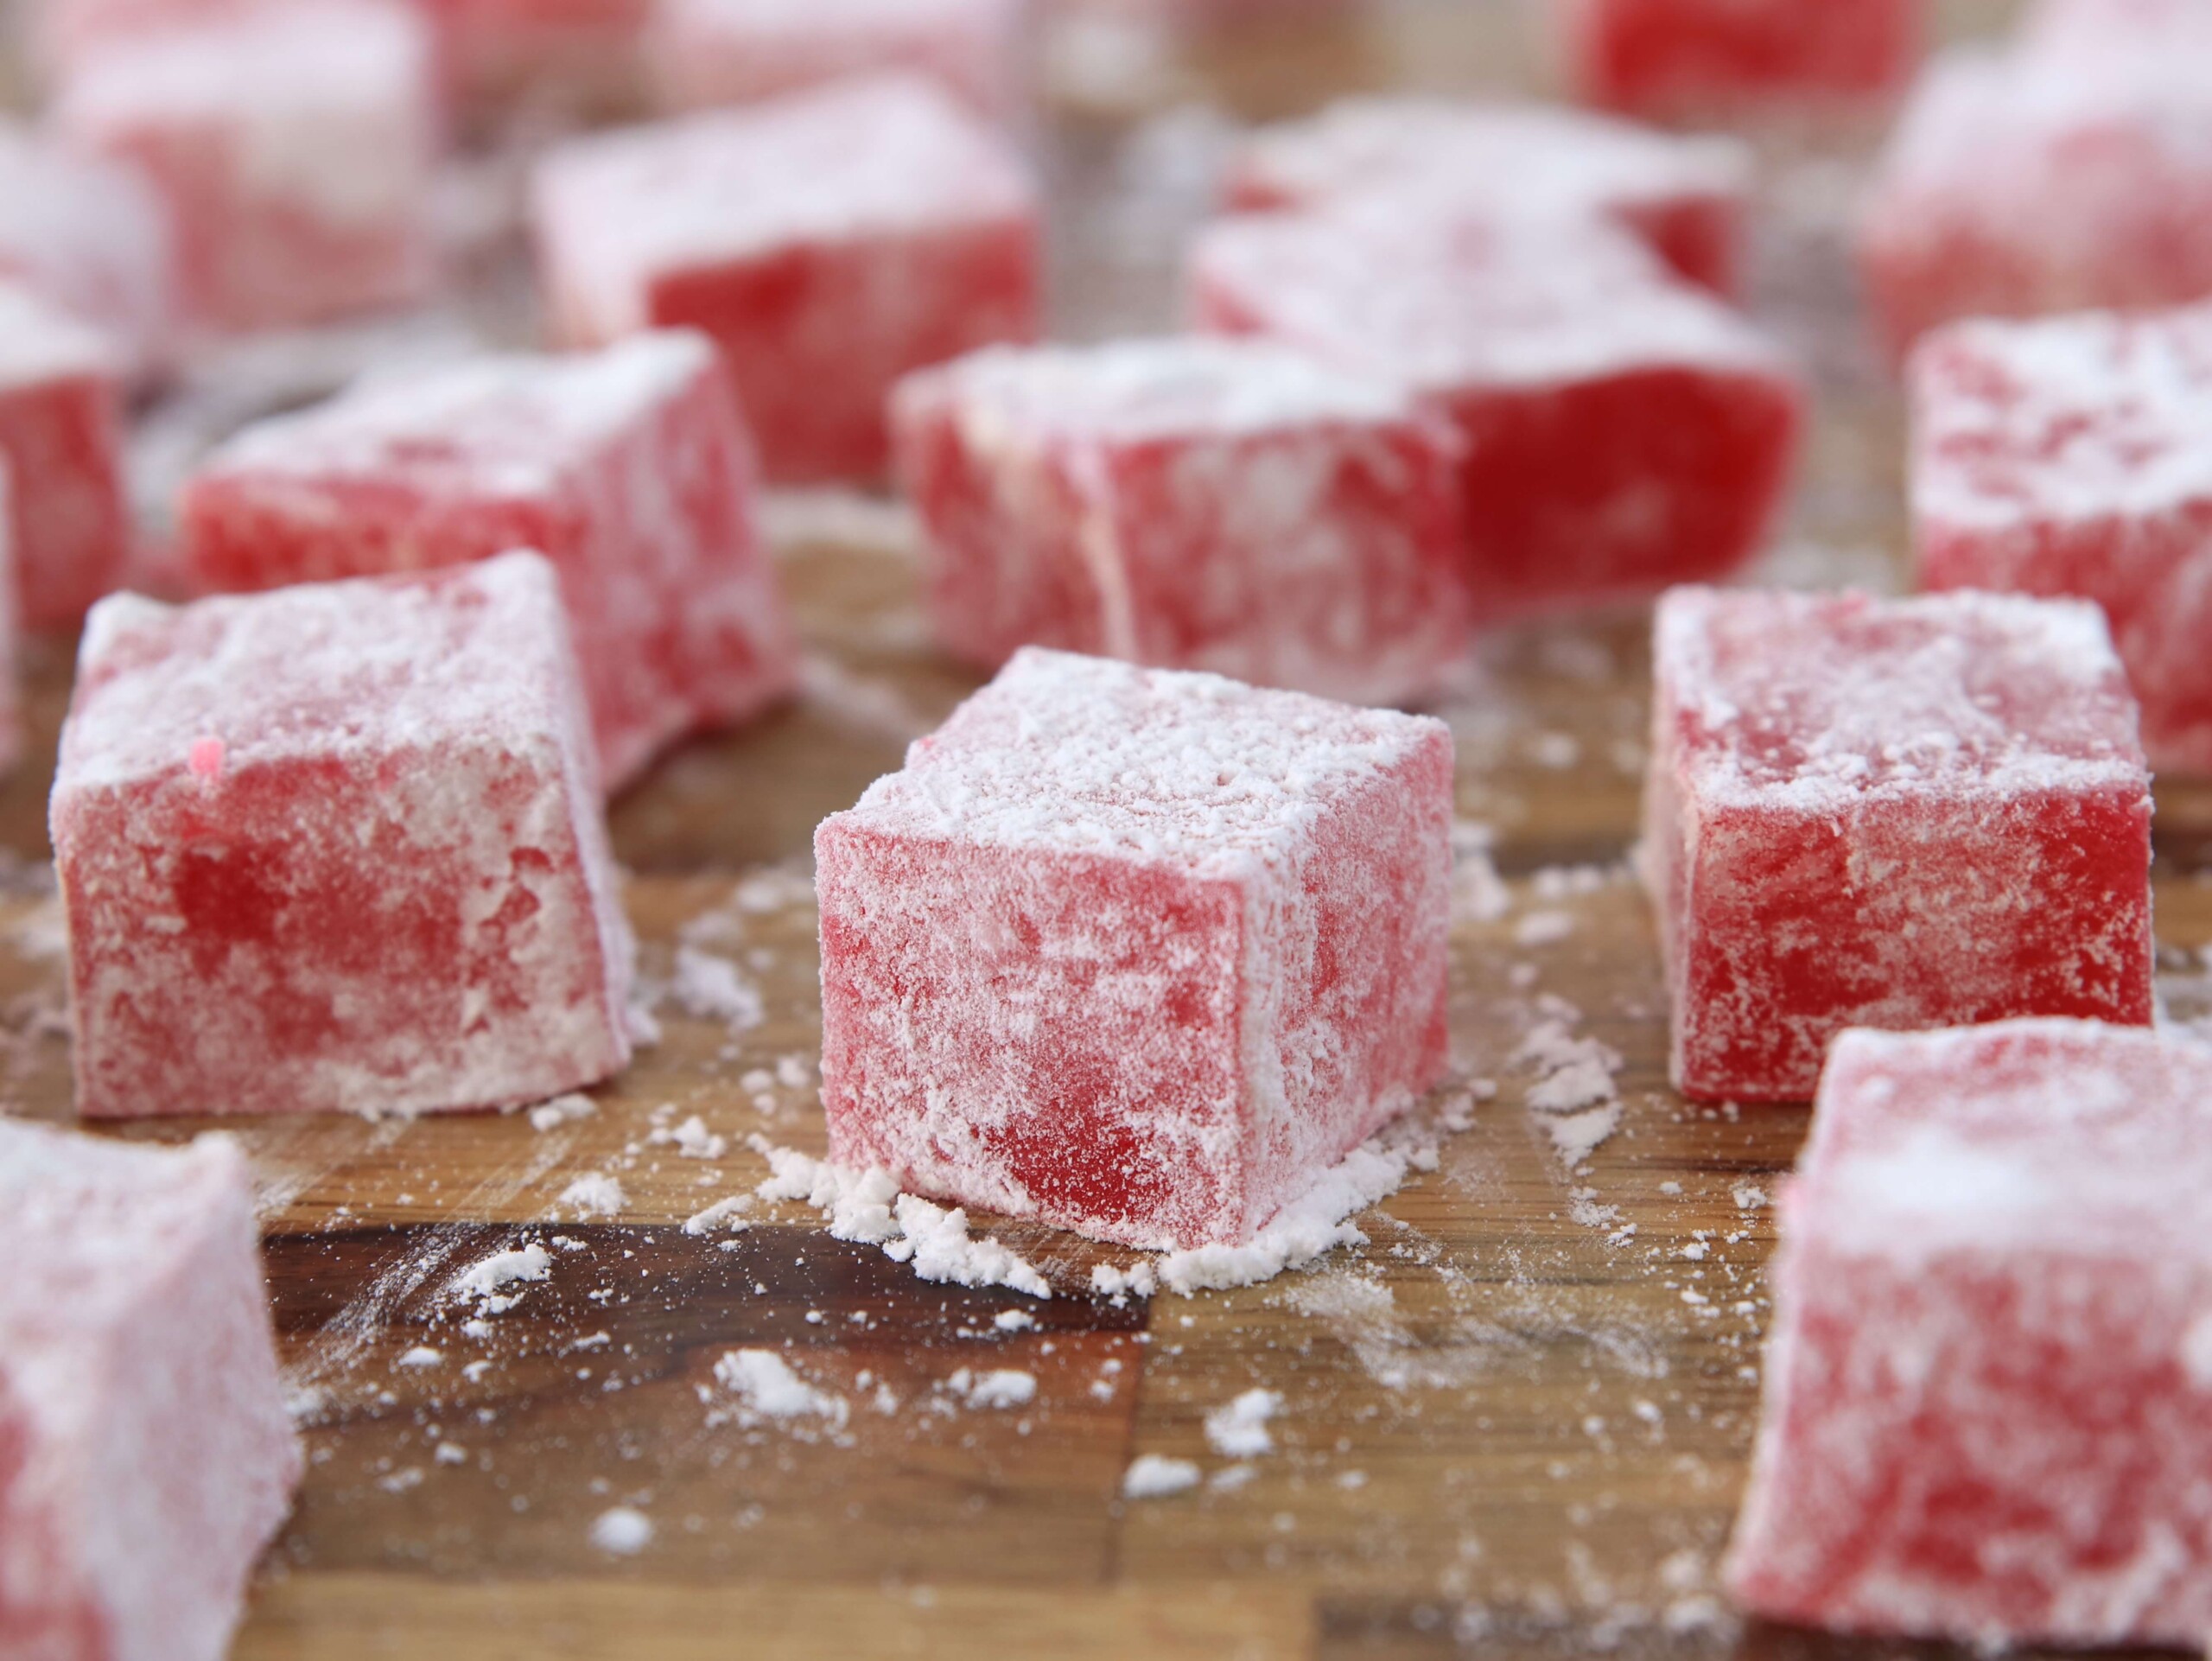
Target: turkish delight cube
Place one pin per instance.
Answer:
(60, 434)
(149, 1454)
(11, 723)
(2039, 180)
(1139, 951)
(629, 468)
(293, 145)
(338, 848)
(92, 237)
(1988, 1381)
(1688, 197)
(829, 242)
(1190, 503)
(711, 51)
(1623, 431)
(1898, 814)
(1683, 57)
(2074, 457)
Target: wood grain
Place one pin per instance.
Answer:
(1516, 1420)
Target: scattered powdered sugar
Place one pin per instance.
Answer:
(725, 1214)
(691, 1139)
(710, 987)
(594, 1194)
(421, 1356)
(621, 1531)
(1317, 1221)
(1574, 1088)
(1155, 1476)
(767, 1391)
(1000, 1388)
(941, 1249)
(1239, 1430)
(485, 1280)
(1139, 1280)
(561, 1110)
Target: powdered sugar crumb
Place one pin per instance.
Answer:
(621, 1531)
(766, 1391)
(1155, 1476)
(594, 1194)
(1239, 1430)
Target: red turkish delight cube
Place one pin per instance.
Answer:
(2039, 180)
(338, 848)
(149, 1455)
(1687, 197)
(628, 468)
(829, 242)
(1623, 431)
(1190, 503)
(711, 51)
(1987, 1388)
(1899, 814)
(293, 147)
(2074, 457)
(1684, 57)
(1138, 951)
(92, 237)
(60, 435)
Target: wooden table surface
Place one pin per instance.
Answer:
(1516, 1419)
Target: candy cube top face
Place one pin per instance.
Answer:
(1988, 1382)
(2043, 181)
(2071, 456)
(60, 435)
(629, 468)
(293, 145)
(1899, 814)
(1136, 952)
(1231, 506)
(1623, 431)
(90, 236)
(711, 51)
(1686, 197)
(338, 847)
(1673, 58)
(150, 1456)
(829, 242)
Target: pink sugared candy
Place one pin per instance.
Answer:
(92, 237)
(1988, 1399)
(1680, 57)
(2049, 178)
(1899, 814)
(1623, 431)
(1189, 503)
(338, 848)
(629, 468)
(1137, 951)
(293, 145)
(1687, 197)
(149, 1455)
(829, 242)
(710, 52)
(2074, 457)
(61, 437)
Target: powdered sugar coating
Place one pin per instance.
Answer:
(1899, 814)
(338, 848)
(151, 1457)
(1236, 506)
(39, 341)
(1683, 194)
(1138, 951)
(629, 467)
(1986, 1413)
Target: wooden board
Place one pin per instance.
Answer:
(1516, 1420)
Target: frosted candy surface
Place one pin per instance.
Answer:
(500, 424)
(1818, 702)
(39, 342)
(321, 669)
(1437, 299)
(1075, 754)
(2070, 418)
(88, 235)
(2027, 1134)
(1522, 154)
(865, 158)
(1141, 389)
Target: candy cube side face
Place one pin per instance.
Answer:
(410, 930)
(1620, 484)
(1674, 57)
(62, 440)
(816, 336)
(1038, 1033)
(1783, 927)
